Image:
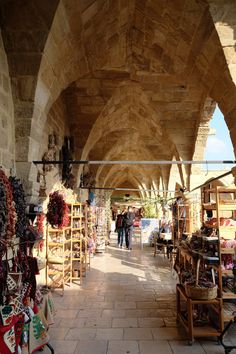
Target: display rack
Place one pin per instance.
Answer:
(90, 212)
(67, 250)
(78, 241)
(181, 217)
(77, 258)
(186, 308)
(207, 248)
(58, 268)
(218, 215)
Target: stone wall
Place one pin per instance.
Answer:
(7, 128)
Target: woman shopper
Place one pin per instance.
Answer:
(129, 227)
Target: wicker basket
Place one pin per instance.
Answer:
(196, 292)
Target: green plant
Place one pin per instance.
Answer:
(151, 210)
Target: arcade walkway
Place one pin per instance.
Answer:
(125, 306)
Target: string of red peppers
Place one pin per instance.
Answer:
(57, 215)
(9, 220)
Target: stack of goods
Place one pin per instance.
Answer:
(223, 222)
(227, 259)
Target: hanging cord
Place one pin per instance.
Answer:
(207, 168)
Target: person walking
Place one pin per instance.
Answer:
(129, 227)
(120, 228)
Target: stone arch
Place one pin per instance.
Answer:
(7, 126)
(176, 62)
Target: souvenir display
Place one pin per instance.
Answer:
(205, 264)
(21, 311)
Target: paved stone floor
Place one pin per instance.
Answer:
(126, 305)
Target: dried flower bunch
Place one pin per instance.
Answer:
(57, 215)
(20, 205)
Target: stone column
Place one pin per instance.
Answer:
(233, 170)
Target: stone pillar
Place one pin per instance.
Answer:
(233, 170)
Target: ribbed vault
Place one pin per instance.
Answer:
(138, 79)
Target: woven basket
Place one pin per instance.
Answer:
(196, 292)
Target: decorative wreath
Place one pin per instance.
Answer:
(57, 215)
(20, 205)
(8, 214)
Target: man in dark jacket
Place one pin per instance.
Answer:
(129, 227)
(120, 227)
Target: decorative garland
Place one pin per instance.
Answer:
(3, 211)
(57, 215)
(8, 213)
(20, 205)
(40, 227)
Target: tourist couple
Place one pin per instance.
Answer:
(125, 226)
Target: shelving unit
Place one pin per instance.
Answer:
(205, 248)
(185, 314)
(58, 268)
(78, 242)
(219, 206)
(185, 218)
(90, 222)
(67, 250)
(77, 259)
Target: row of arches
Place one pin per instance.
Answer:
(127, 80)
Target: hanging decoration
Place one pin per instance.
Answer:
(57, 215)
(68, 179)
(20, 205)
(40, 227)
(40, 223)
(3, 211)
(8, 214)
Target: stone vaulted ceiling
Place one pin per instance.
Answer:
(139, 80)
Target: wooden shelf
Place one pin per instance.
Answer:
(227, 271)
(209, 206)
(227, 250)
(229, 296)
(51, 243)
(220, 190)
(225, 207)
(206, 331)
(227, 228)
(228, 310)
